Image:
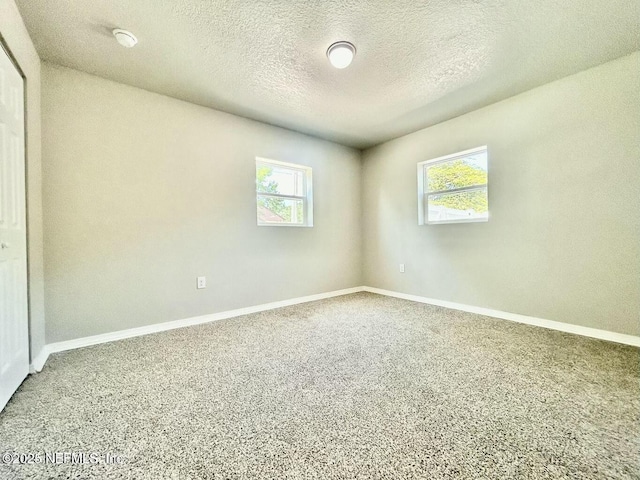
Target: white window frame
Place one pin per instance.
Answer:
(307, 188)
(423, 190)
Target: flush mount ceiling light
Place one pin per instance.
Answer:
(125, 38)
(341, 54)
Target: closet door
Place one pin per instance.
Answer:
(14, 320)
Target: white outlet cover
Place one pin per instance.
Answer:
(202, 282)
(402, 268)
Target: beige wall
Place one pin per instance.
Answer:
(143, 193)
(15, 37)
(563, 241)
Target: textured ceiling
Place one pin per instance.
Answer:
(418, 63)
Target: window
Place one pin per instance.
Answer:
(284, 194)
(453, 189)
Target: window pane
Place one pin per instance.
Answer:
(467, 205)
(280, 210)
(460, 172)
(281, 180)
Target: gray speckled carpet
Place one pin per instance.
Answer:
(360, 386)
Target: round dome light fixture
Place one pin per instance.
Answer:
(125, 38)
(341, 54)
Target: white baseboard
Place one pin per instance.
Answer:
(515, 317)
(187, 322)
(48, 349)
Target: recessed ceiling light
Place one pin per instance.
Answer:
(125, 38)
(341, 54)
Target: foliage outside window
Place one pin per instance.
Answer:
(454, 188)
(283, 194)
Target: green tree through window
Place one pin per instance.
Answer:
(267, 185)
(457, 174)
(284, 193)
(279, 206)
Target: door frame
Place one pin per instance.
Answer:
(4, 46)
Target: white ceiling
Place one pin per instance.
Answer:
(418, 63)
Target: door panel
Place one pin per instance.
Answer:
(14, 330)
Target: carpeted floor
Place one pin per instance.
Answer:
(360, 386)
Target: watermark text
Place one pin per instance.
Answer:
(61, 458)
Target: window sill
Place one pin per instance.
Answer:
(283, 225)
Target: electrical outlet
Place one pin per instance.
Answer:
(402, 268)
(202, 282)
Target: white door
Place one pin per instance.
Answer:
(14, 327)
